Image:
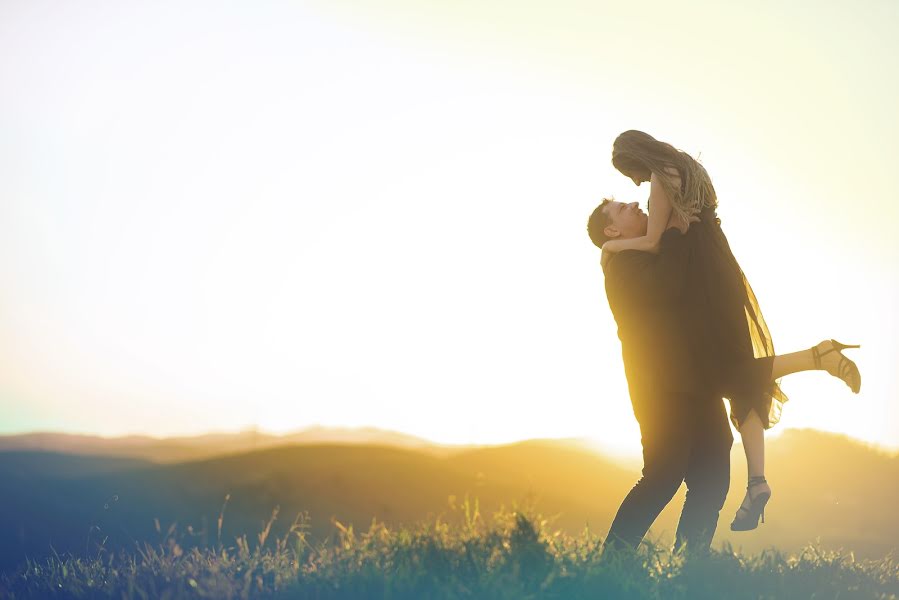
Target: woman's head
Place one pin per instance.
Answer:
(628, 152)
(632, 168)
(638, 155)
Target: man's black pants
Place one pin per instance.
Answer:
(685, 439)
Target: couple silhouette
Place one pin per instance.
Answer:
(692, 334)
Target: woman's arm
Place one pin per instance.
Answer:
(605, 257)
(659, 213)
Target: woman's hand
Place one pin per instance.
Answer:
(680, 223)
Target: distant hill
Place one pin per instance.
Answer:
(184, 448)
(825, 486)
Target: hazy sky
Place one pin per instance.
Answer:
(220, 215)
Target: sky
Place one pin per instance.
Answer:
(221, 215)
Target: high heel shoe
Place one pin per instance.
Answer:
(847, 370)
(756, 508)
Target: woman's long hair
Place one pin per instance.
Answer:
(637, 152)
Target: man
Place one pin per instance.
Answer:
(684, 429)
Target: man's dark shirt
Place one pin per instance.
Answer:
(649, 300)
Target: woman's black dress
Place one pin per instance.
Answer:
(736, 351)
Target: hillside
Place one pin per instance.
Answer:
(826, 487)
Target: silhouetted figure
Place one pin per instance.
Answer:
(683, 424)
(731, 348)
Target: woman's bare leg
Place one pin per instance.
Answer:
(753, 434)
(784, 364)
(752, 431)
(794, 362)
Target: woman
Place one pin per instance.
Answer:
(739, 360)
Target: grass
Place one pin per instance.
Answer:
(513, 556)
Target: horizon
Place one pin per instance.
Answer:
(591, 444)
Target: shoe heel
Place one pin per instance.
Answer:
(763, 515)
(841, 346)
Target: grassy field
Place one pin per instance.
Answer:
(513, 553)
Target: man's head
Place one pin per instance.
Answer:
(616, 220)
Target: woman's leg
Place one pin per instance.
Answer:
(831, 361)
(752, 431)
(794, 362)
(753, 434)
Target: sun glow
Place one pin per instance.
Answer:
(376, 216)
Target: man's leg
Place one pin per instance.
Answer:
(666, 452)
(707, 478)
